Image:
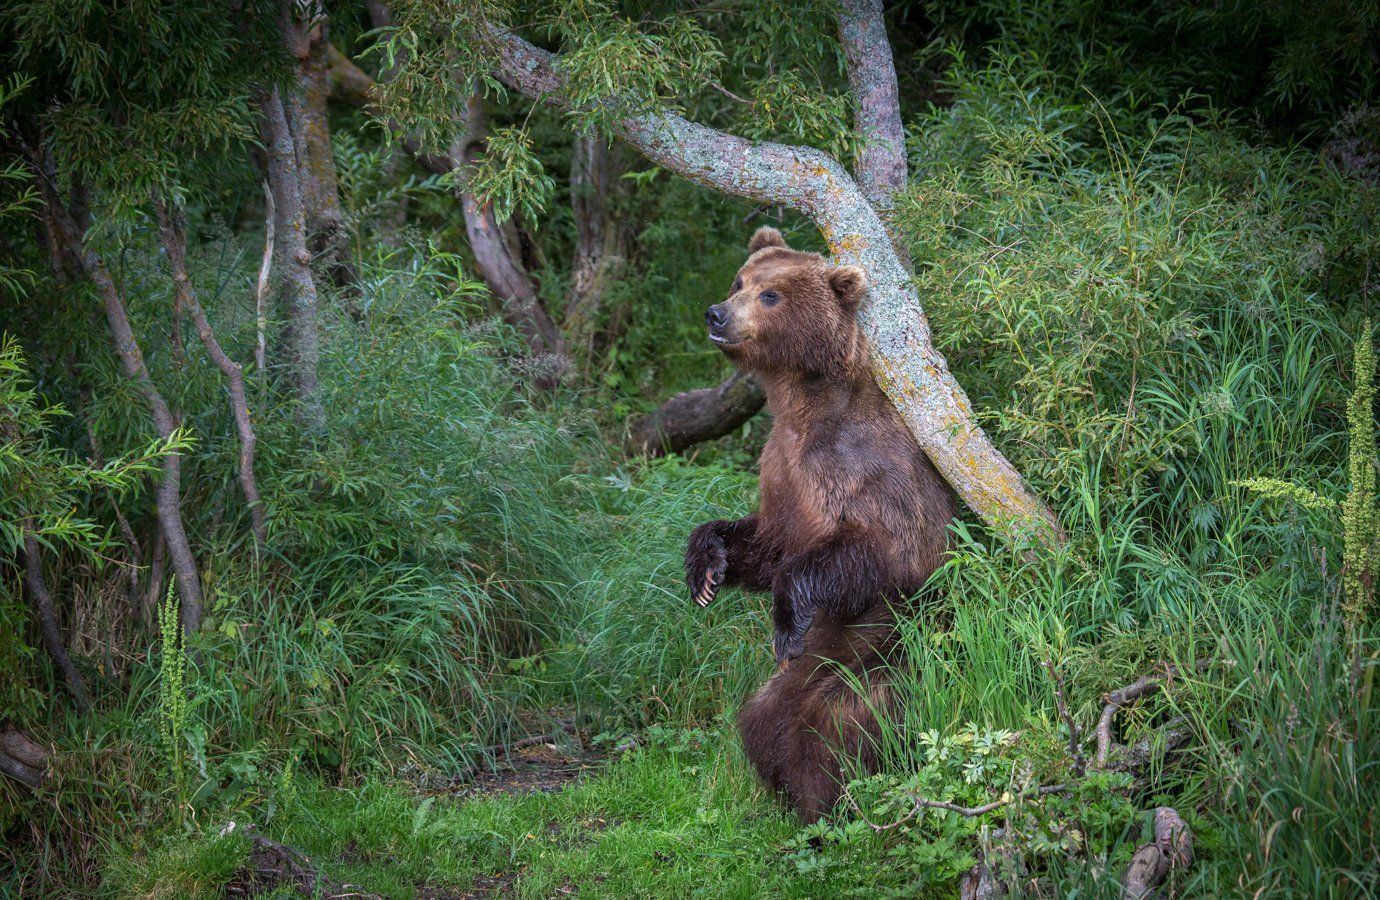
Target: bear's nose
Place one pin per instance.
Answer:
(717, 317)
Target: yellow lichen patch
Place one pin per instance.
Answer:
(853, 244)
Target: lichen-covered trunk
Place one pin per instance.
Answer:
(301, 336)
(880, 167)
(907, 366)
(172, 229)
(601, 242)
(308, 120)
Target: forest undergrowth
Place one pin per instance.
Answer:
(1162, 322)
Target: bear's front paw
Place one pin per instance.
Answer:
(706, 563)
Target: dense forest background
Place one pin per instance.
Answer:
(334, 440)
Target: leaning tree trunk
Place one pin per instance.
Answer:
(500, 268)
(301, 328)
(168, 494)
(172, 228)
(601, 239)
(906, 364)
(880, 172)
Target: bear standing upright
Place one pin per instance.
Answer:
(853, 517)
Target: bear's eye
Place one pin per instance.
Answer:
(737, 285)
(769, 298)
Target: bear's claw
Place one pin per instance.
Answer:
(709, 588)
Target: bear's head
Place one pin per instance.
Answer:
(790, 312)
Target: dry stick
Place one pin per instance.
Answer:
(47, 620)
(261, 296)
(172, 226)
(167, 496)
(1115, 700)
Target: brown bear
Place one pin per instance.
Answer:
(853, 519)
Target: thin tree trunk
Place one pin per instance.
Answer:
(600, 239)
(695, 416)
(880, 168)
(47, 621)
(261, 295)
(301, 331)
(501, 270)
(308, 43)
(172, 227)
(906, 364)
(167, 495)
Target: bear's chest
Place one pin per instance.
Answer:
(816, 483)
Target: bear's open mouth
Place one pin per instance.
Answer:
(723, 341)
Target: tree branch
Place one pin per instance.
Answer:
(172, 228)
(691, 417)
(168, 494)
(905, 362)
(503, 275)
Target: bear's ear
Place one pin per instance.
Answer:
(848, 283)
(765, 237)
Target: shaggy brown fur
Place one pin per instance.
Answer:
(853, 517)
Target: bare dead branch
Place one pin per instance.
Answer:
(1115, 700)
